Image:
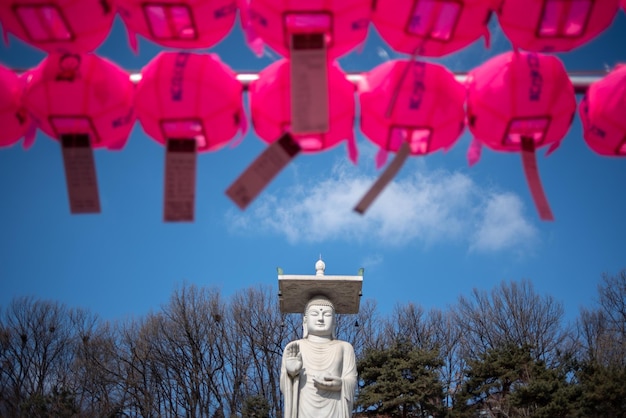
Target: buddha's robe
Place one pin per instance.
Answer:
(302, 398)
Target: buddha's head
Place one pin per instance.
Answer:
(319, 318)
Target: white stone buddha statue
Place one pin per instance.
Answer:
(318, 372)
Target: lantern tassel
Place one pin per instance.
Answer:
(553, 147)
(254, 41)
(353, 152)
(5, 36)
(243, 130)
(529, 161)
(132, 40)
(29, 137)
(117, 146)
(381, 158)
(487, 36)
(474, 151)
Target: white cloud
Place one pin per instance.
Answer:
(425, 207)
(502, 224)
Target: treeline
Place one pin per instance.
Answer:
(506, 352)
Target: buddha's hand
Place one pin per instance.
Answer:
(327, 382)
(293, 359)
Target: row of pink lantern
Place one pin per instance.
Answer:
(185, 94)
(515, 102)
(424, 27)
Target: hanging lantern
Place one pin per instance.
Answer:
(85, 102)
(412, 101)
(178, 23)
(86, 94)
(15, 121)
(190, 103)
(602, 114)
(431, 27)
(410, 108)
(344, 24)
(193, 95)
(554, 25)
(294, 117)
(517, 102)
(270, 104)
(58, 25)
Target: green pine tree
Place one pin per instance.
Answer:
(400, 381)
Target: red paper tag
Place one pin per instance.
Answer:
(262, 171)
(309, 84)
(180, 180)
(384, 179)
(80, 173)
(529, 162)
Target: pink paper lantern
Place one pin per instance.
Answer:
(270, 104)
(554, 25)
(14, 120)
(58, 25)
(602, 114)
(81, 94)
(179, 23)
(519, 94)
(431, 27)
(186, 95)
(417, 102)
(344, 23)
(518, 102)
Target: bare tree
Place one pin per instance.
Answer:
(409, 323)
(602, 330)
(187, 351)
(600, 357)
(612, 292)
(448, 337)
(362, 330)
(135, 368)
(35, 357)
(512, 313)
(262, 333)
(93, 344)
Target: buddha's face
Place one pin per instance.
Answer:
(320, 320)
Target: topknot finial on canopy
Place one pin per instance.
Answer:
(320, 266)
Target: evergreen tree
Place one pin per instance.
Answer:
(256, 406)
(603, 390)
(400, 381)
(507, 381)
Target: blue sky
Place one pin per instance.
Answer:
(439, 230)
